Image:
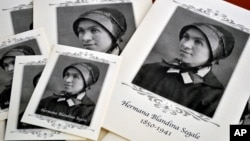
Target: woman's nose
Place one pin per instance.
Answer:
(68, 78)
(188, 44)
(86, 36)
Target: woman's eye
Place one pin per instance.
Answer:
(94, 30)
(66, 75)
(80, 30)
(75, 76)
(185, 36)
(198, 42)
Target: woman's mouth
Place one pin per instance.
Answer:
(67, 86)
(88, 45)
(185, 52)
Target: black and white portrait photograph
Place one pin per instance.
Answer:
(22, 20)
(100, 27)
(192, 61)
(7, 62)
(73, 90)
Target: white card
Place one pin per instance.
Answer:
(17, 16)
(33, 42)
(60, 15)
(2, 129)
(28, 70)
(80, 115)
(156, 114)
(113, 137)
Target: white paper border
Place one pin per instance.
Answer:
(205, 128)
(43, 45)
(12, 133)
(93, 130)
(6, 7)
(48, 18)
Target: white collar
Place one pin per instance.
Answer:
(81, 96)
(203, 71)
(186, 76)
(115, 51)
(70, 101)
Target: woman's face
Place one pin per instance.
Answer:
(73, 81)
(194, 49)
(93, 36)
(8, 65)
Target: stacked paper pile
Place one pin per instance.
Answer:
(118, 70)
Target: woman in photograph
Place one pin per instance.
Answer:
(101, 30)
(7, 62)
(72, 103)
(188, 79)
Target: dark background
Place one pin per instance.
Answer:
(67, 15)
(242, 3)
(21, 20)
(235, 129)
(29, 72)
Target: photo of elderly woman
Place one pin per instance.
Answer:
(72, 102)
(7, 62)
(188, 76)
(104, 28)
